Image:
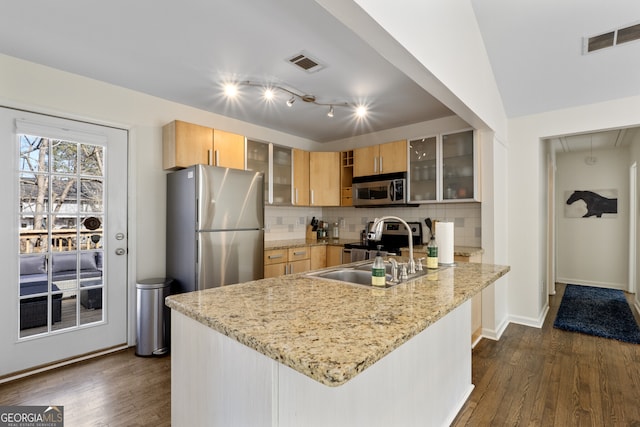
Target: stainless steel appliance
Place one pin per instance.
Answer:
(215, 227)
(394, 237)
(380, 190)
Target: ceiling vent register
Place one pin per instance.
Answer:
(306, 62)
(611, 38)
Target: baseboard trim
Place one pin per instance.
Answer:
(528, 321)
(42, 368)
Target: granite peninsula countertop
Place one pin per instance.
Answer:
(327, 330)
(466, 251)
(292, 243)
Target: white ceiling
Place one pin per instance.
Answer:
(184, 51)
(603, 140)
(535, 50)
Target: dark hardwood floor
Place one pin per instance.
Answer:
(549, 377)
(531, 377)
(116, 390)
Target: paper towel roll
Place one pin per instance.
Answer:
(444, 239)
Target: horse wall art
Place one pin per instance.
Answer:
(596, 204)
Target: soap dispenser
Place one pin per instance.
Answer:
(378, 271)
(432, 253)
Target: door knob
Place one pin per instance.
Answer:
(120, 251)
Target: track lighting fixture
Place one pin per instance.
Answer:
(231, 90)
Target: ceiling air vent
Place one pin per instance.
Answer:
(612, 38)
(306, 63)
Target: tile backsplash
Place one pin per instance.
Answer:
(290, 222)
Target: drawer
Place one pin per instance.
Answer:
(275, 256)
(299, 253)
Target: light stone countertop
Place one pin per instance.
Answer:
(331, 331)
(466, 251)
(293, 243)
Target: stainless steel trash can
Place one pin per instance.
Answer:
(152, 320)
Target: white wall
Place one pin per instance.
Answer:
(527, 192)
(438, 44)
(593, 251)
(46, 90)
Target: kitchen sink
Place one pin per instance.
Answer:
(350, 275)
(360, 274)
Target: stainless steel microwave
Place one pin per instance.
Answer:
(380, 190)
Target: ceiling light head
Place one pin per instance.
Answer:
(291, 101)
(361, 111)
(330, 113)
(231, 90)
(269, 94)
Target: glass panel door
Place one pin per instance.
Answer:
(65, 239)
(423, 176)
(282, 175)
(258, 161)
(457, 166)
(61, 203)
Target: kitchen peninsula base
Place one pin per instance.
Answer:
(217, 381)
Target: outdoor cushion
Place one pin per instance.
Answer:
(32, 265)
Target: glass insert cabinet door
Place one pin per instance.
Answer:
(61, 212)
(458, 166)
(423, 171)
(276, 164)
(442, 168)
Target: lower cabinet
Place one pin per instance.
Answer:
(334, 255)
(278, 262)
(318, 257)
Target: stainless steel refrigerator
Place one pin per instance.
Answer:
(215, 227)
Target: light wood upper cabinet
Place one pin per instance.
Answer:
(365, 160)
(324, 178)
(383, 158)
(228, 149)
(300, 177)
(186, 144)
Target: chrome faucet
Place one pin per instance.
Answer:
(376, 234)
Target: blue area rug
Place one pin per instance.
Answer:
(597, 311)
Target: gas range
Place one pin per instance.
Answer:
(394, 237)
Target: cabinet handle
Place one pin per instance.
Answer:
(296, 198)
(299, 253)
(209, 158)
(217, 162)
(313, 201)
(275, 256)
(375, 165)
(380, 164)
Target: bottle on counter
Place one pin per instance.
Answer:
(336, 230)
(378, 271)
(432, 253)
